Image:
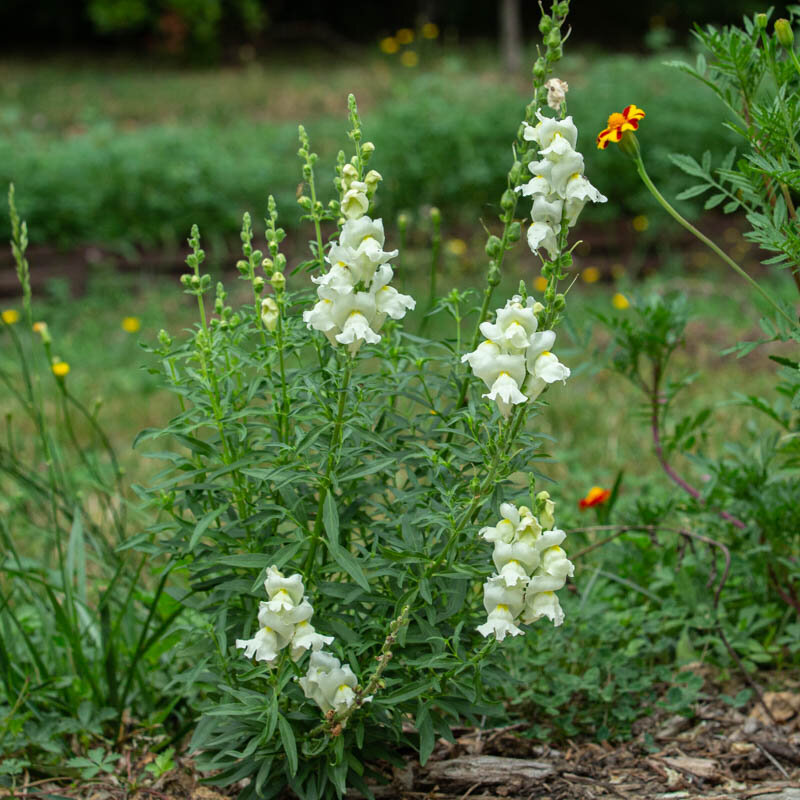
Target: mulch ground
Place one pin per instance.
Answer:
(717, 753)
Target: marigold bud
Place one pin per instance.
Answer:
(436, 215)
(783, 30)
(761, 20)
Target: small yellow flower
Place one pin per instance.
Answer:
(131, 324)
(10, 316)
(620, 302)
(389, 45)
(540, 283)
(591, 274)
(38, 327)
(456, 246)
(405, 36)
(409, 58)
(60, 369)
(640, 223)
(430, 30)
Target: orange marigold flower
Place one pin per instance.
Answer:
(595, 497)
(618, 123)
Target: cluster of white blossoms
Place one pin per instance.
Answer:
(329, 684)
(558, 187)
(283, 621)
(354, 295)
(515, 361)
(531, 567)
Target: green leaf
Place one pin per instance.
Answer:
(330, 517)
(693, 191)
(203, 524)
(289, 743)
(347, 561)
(427, 738)
(713, 201)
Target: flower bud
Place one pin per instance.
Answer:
(514, 232)
(349, 174)
(186, 280)
(278, 280)
(494, 247)
(280, 262)
(164, 338)
(539, 68)
(783, 30)
(243, 267)
(258, 284)
(304, 202)
(436, 216)
(545, 25)
(367, 149)
(266, 264)
(553, 39)
(761, 21)
(402, 222)
(269, 313)
(372, 178)
(508, 200)
(515, 172)
(562, 9)
(560, 303)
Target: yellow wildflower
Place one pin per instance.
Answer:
(640, 223)
(405, 36)
(131, 324)
(618, 123)
(620, 302)
(10, 316)
(430, 30)
(591, 274)
(540, 283)
(60, 369)
(409, 58)
(389, 45)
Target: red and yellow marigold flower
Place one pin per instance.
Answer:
(618, 123)
(596, 496)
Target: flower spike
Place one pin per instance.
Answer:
(618, 123)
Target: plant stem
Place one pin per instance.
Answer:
(704, 239)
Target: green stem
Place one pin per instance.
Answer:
(704, 239)
(333, 456)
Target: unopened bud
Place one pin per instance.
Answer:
(372, 179)
(243, 266)
(258, 284)
(545, 25)
(402, 222)
(349, 174)
(266, 264)
(494, 247)
(164, 338)
(559, 304)
(436, 216)
(539, 68)
(514, 232)
(367, 149)
(553, 39)
(761, 20)
(508, 200)
(783, 30)
(278, 280)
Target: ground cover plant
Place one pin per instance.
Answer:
(355, 526)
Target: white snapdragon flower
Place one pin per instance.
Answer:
(355, 202)
(543, 367)
(305, 638)
(329, 684)
(354, 295)
(283, 620)
(530, 565)
(559, 187)
(514, 361)
(269, 313)
(503, 605)
(544, 604)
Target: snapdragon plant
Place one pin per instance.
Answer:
(331, 477)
